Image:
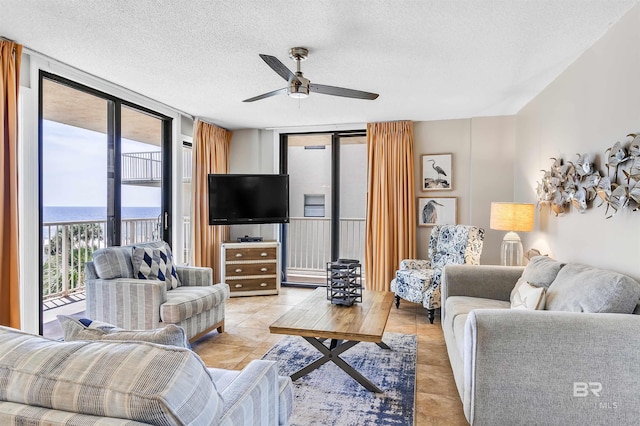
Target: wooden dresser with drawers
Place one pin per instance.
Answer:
(251, 269)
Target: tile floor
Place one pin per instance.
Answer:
(247, 337)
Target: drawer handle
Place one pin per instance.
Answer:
(263, 269)
(263, 284)
(238, 254)
(263, 254)
(238, 270)
(238, 285)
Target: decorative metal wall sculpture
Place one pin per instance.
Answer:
(568, 184)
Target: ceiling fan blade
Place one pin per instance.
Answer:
(341, 91)
(266, 95)
(279, 67)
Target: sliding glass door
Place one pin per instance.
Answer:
(327, 175)
(141, 177)
(104, 180)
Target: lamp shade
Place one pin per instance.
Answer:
(512, 217)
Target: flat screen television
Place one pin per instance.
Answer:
(248, 199)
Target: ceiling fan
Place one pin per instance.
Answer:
(300, 87)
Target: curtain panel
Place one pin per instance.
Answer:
(391, 211)
(211, 147)
(10, 56)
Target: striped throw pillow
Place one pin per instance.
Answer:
(86, 329)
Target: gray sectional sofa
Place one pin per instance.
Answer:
(576, 362)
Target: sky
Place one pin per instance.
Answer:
(75, 169)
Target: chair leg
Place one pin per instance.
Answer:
(431, 314)
(397, 301)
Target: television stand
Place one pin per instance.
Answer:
(248, 239)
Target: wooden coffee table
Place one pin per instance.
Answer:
(316, 319)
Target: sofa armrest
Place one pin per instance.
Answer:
(547, 367)
(129, 303)
(194, 276)
(487, 281)
(252, 397)
(415, 264)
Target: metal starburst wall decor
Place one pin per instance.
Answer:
(578, 184)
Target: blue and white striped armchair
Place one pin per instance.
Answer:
(418, 281)
(117, 296)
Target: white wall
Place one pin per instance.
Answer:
(482, 166)
(253, 151)
(589, 107)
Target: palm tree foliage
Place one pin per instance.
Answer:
(68, 250)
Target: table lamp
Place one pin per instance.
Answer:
(511, 217)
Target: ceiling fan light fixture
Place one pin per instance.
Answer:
(298, 88)
(298, 95)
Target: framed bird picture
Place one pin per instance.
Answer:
(437, 172)
(436, 211)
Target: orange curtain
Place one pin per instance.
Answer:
(211, 146)
(391, 205)
(10, 56)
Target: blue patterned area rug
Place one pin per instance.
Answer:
(329, 396)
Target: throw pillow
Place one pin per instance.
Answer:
(580, 288)
(113, 262)
(527, 296)
(86, 329)
(540, 272)
(155, 263)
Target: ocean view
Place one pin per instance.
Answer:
(73, 214)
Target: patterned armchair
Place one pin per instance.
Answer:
(418, 281)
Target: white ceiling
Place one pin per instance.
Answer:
(428, 60)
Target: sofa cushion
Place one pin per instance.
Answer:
(155, 263)
(115, 262)
(411, 284)
(139, 381)
(186, 302)
(458, 331)
(20, 414)
(527, 296)
(580, 288)
(86, 329)
(460, 306)
(541, 271)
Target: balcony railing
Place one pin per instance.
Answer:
(145, 168)
(142, 166)
(69, 245)
(309, 242)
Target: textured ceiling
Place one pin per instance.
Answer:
(428, 60)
